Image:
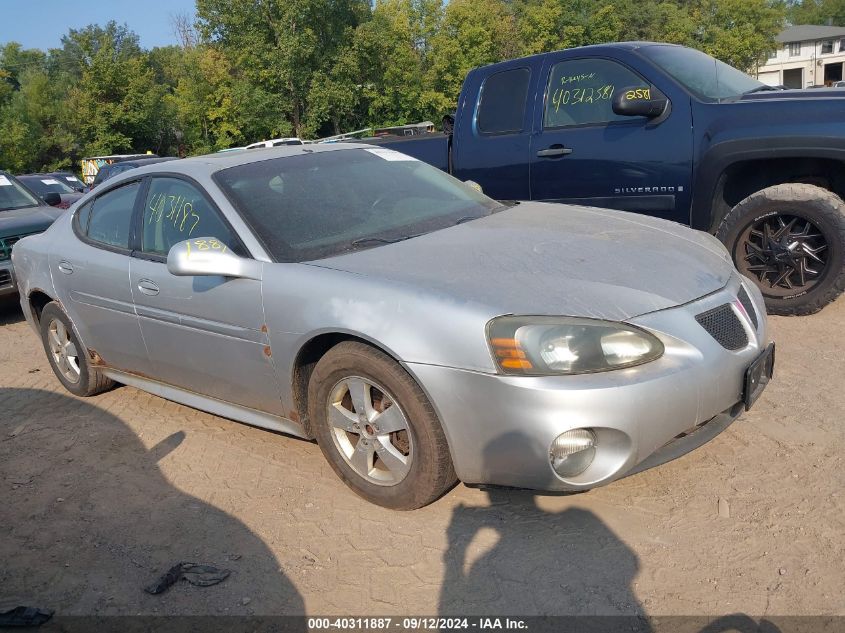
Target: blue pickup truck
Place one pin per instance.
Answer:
(670, 132)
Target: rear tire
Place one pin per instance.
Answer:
(67, 356)
(403, 469)
(790, 240)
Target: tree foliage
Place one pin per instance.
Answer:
(253, 69)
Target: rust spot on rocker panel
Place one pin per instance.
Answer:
(96, 359)
(267, 351)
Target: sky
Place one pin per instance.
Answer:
(41, 23)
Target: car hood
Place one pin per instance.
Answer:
(27, 220)
(539, 258)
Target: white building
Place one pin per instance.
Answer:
(806, 56)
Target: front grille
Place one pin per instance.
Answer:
(745, 300)
(724, 326)
(6, 244)
(5, 278)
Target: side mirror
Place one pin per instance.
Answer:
(207, 256)
(473, 185)
(640, 101)
(52, 198)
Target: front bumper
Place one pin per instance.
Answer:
(8, 284)
(500, 428)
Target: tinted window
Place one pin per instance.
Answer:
(82, 216)
(317, 205)
(175, 210)
(702, 75)
(111, 216)
(502, 105)
(581, 91)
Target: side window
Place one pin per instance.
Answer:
(581, 91)
(501, 107)
(82, 216)
(175, 210)
(111, 216)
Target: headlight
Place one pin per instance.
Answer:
(539, 345)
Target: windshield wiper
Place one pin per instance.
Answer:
(361, 241)
(467, 218)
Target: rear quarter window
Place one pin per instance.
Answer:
(501, 107)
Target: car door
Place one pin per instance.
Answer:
(206, 334)
(584, 153)
(491, 139)
(92, 276)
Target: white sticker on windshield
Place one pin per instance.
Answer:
(4, 182)
(71, 178)
(388, 154)
(50, 181)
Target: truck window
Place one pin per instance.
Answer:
(501, 107)
(581, 91)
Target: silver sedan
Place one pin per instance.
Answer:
(418, 330)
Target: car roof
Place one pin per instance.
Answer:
(140, 162)
(211, 163)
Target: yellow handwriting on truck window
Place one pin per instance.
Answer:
(587, 95)
(571, 79)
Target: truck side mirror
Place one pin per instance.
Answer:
(644, 101)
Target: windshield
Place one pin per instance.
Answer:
(42, 185)
(13, 196)
(317, 205)
(704, 76)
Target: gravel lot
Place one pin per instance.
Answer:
(99, 496)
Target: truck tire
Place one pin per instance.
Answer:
(790, 240)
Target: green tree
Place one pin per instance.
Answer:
(818, 12)
(282, 45)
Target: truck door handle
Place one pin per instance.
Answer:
(148, 287)
(65, 267)
(554, 150)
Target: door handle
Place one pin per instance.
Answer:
(554, 150)
(65, 267)
(148, 287)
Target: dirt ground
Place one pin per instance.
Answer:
(99, 496)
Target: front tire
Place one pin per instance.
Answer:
(67, 356)
(377, 429)
(790, 240)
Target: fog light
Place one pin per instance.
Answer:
(572, 452)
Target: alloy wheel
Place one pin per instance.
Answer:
(65, 354)
(787, 254)
(370, 430)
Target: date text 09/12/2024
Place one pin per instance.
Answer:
(415, 623)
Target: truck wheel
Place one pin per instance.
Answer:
(377, 429)
(790, 240)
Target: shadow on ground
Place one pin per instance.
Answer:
(513, 557)
(121, 524)
(10, 310)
